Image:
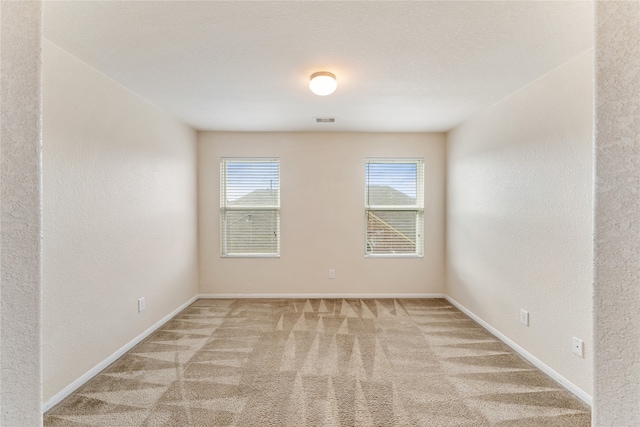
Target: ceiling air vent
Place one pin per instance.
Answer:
(325, 119)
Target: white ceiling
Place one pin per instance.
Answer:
(244, 66)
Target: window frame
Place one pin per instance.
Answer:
(224, 208)
(418, 207)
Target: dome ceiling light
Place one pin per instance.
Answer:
(323, 83)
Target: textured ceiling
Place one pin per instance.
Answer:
(245, 66)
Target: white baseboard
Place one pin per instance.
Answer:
(58, 397)
(581, 394)
(318, 296)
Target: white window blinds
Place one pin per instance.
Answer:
(394, 207)
(250, 207)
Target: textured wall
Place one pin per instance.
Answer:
(20, 388)
(617, 216)
(519, 216)
(322, 211)
(119, 216)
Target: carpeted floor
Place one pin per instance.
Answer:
(329, 362)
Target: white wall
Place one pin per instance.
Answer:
(617, 215)
(322, 215)
(519, 217)
(20, 111)
(119, 219)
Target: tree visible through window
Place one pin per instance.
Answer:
(250, 207)
(394, 207)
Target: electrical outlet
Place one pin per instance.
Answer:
(578, 347)
(141, 304)
(332, 273)
(524, 317)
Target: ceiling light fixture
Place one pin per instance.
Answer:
(323, 83)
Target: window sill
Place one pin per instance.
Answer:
(251, 256)
(393, 256)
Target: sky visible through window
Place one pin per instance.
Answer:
(399, 176)
(246, 177)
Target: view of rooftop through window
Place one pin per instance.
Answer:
(398, 176)
(250, 207)
(252, 182)
(394, 207)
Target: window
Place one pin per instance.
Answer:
(394, 207)
(250, 207)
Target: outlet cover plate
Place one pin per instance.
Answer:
(141, 304)
(578, 347)
(524, 317)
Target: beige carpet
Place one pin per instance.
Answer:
(329, 362)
